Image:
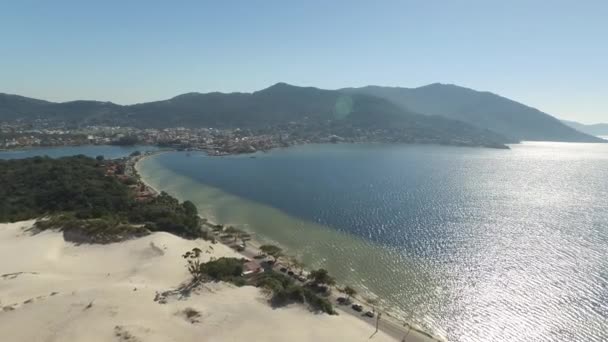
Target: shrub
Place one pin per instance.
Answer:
(283, 290)
(223, 269)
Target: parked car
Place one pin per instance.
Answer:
(291, 273)
(357, 307)
(343, 301)
(283, 269)
(369, 314)
(302, 278)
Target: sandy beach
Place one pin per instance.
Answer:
(52, 290)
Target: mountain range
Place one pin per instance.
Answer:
(481, 109)
(436, 113)
(594, 129)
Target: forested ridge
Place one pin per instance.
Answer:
(75, 192)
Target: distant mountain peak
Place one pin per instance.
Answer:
(186, 95)
(279, 85)
(282, 88)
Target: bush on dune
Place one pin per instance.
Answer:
(284, 290)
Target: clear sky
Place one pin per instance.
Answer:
(552, 54)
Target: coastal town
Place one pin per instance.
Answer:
(213, 141)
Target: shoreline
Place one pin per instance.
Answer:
(388, 324)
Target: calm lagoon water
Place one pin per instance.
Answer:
(108, 151)
(471, 244)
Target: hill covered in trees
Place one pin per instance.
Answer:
(482, 109)
(333, 112)
(77, 196)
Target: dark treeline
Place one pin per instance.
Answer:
(77, 188)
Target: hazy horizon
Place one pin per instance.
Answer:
(545, 55)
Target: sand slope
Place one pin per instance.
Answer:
(51, 290)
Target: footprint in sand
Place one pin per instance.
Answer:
(15, 275)
(14, 306)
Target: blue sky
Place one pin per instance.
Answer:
(552, 55)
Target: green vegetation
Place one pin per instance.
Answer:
(349, 291)
(222, 269)
(315, 112)
(98, 230)
(40, 186)
(165, 213)
(284, 290)
(193, 262)
(321, 276)
(81, 199)
(272, 250)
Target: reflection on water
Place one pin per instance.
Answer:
(474, 244)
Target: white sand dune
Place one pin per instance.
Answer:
(51, 290)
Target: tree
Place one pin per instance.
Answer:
(225, 269)
(272, 250)
(190, 208)
(99, 158)
(321, 276)
(349, 291)
(193, 263)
